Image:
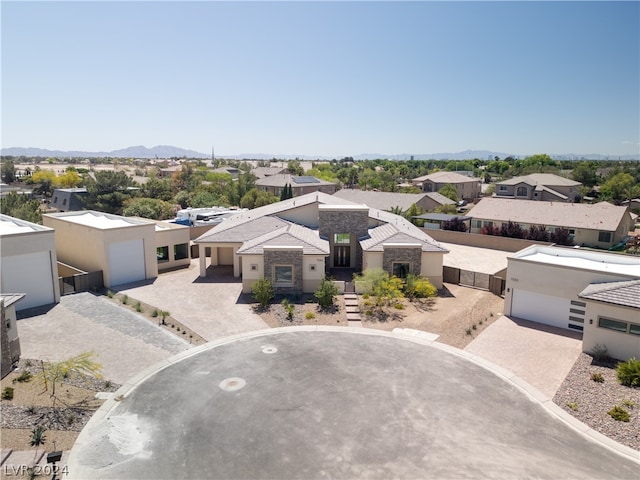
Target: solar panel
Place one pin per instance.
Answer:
(305, 180)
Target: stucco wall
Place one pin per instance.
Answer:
(432, 267)
(171, 237)
(619, 345)
(505, 244)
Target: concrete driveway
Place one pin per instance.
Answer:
(124, 342)
(211, 306)
(540, 354)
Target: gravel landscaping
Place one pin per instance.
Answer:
(589, 401)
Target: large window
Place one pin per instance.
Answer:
(400, 269)
(162, 254)
(181, 251)
(604, 237)
(283, 275)
(342, 238)
(610, 324)
(522, 192)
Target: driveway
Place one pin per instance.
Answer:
(541, 355)
(125, 343)
(211, 306)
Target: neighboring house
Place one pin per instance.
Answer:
(9, 340)
(613, 318)
(300, 185)
(169, 171)
(539, 186)
(434, 221)
(123, 248)
(172, 245)
(233, 171)
(296, 242)
(633, 204)
(68, 199)
(567, 288)
(599, 225)
(29, 262)
(389, 200)
(467, 188)
(263, 172)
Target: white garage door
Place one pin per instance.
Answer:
(30, 274)
(540, 308)
(126, 262)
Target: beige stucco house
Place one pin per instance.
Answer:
(567, 288)
(29, 262)
(600, 225)
(539, 186)
(123, 248)
(299, 185)
(389, 200)
(296, 242)
(467, 188)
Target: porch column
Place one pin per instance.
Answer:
(236, 263)
(203, 261)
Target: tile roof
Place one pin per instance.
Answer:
(291, 235)
(388, 200)
(241, 232)
(446, 177)
(546, 179)
(625, 293)
(281, 180)
(599, 216)
(390, 233)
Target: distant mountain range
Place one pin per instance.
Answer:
(168, 151)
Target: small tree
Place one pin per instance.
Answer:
(262, 291)
(512, 230)
(326, 293)
(561, 236)
(54, 372)
(37, 439)
(490, 230)
(456, 224)
(538, 233)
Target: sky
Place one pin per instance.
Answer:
(322, 78)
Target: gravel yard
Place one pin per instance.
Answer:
(589, 401)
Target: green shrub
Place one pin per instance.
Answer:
(597, 377)
(326, 293)
(629, 373)
(474, 326)
(262, 291)
(25, 376)
(139, 307)
(310, 315)
(154, 313)
(289, 308)
(618, 413)
(418, 287)
(600, 353)
(110, 294)
(628, 403)
(7, 393)
(124, 299)
(468, 331)
(573, 406)
(399, 306)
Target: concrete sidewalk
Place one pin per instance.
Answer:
(540, 354)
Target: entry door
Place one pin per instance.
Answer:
(341, 256)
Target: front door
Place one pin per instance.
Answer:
(341, 256)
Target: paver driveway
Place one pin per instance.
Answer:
(208, 306)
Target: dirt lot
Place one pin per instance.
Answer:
(456, 311)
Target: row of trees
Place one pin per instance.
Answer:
(538, 233)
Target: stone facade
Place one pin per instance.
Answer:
(354, 221)
(291, 257)
(412, 256)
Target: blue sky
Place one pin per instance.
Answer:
(323, 78)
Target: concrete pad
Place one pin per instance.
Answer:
(324, 403)
(541, 355)
(212, 307)
(124, 342)
(482, 260)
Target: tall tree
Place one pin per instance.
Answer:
(8, 170)
(108, 191)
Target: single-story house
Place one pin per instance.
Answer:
(539, 186)
(296, 242)
(388, 200)
(29, 262)
(599, 225)
(233, 171)
(172, 245)
(299, 185)
(434, 221)
(263, 172)
(567, 288)
(633, 204)
(124, 249)
(467, 188)
(68, 199)
(9, 340)
(612, 318)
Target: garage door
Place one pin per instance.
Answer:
(29, 274)
(126, 262)
(225, 255)
(540, 308)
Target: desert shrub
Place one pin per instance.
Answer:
(110, 294)
(31, 409)
(138, 307)
(418, 287)
(310, 315)
(154, 313)
(618, 413)
(262, 291)
(573, 406)
(597, 377)
(399, 306)
(474, 327)
(629, 373)
(368, 313)
(124, 299)
(468, 331)
(289, 308)
(628, 403)
(25, 376)
(600, 353)
(369, 279)
(7, 393)
(326, 293)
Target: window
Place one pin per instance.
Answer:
(575, 310)
(476, 223)
(64, 201)
(503, 188)
(576, 327)
(578, 304)
(254, 267)
(612, 324)
(634, 329)
(162, 254)
(576, 319)
(342, 238)
(521, 192)
(400, 270)
(180, 251)
(604, 237)
(283, 274)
